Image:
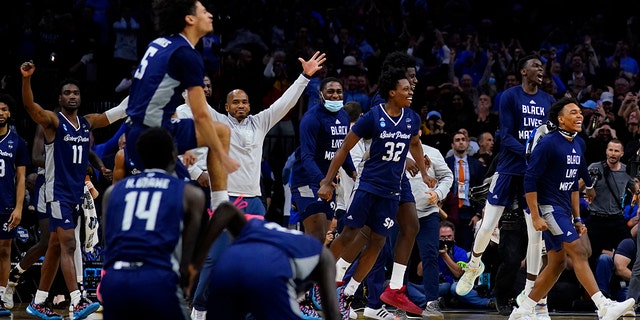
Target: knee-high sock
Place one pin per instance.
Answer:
(490, 220)
(534, 251)
(77, 255)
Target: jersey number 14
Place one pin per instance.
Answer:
(143, 205)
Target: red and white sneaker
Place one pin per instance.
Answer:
(398, 298)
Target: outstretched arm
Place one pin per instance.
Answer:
(47, 119)
(99, 120)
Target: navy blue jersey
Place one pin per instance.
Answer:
(390, 141)
(553, 169)
(520, 113)
(169, 66)
(304, 255)
(375, 100)
(66, 161)
(321, 135)
(144, 220)
(13, 154)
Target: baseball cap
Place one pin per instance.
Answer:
(606, 97)
(350, 61)
(589, 104)
(433, 114)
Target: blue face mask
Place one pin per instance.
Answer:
(332, 106)
(492, 81)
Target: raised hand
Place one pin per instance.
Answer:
(314, 64)
(27, 68)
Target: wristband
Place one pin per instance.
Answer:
(577, 219)
(118, 112)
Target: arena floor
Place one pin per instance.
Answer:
(487, 315)
(19, 314)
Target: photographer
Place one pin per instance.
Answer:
(607, 227)
(450, 263)
(435, 134)
(451, 260)
(598, 142)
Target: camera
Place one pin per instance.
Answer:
(595, 173)
(445, 243)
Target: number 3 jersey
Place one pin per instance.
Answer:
(13, 154)
(144, 220)
(383, 165)
(66, 161)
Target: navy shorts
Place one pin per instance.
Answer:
(5, 232)
(183, 132)
(504, 188)
(560, 227)
(151, 292)
(372, 210)
(308, 203)
(405, 190)
(63, 215)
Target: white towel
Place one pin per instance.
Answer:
(90, 221)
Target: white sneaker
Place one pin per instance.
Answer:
(378, 314)
(612, 310)
(520, 298)
(465, 284)
(542, 312)
(7, 297)
(198, 315)
(352, 314)
(522, 314)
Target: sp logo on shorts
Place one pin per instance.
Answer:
(388, 223)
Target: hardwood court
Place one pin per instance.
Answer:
(491, 315)
(19, 314)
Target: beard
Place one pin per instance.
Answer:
(4, 124)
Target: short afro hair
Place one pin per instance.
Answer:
(8, 100)
(523, 62)
(65, 82)
(557, 107)
(389, 80)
